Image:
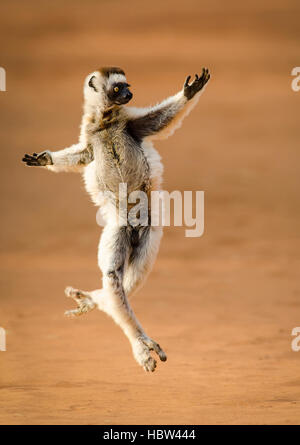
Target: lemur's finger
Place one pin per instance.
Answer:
(186, 84)
(196, 77)
(203, 74)
(204, 77)
(27, 156)
(32, 162)
(29, 160)
(207, 76)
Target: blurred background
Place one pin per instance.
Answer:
(222, 306)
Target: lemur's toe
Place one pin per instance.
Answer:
(150, 365)
(72, 313)
(162, 355)
(73, 293)
(70, 291)
(153, 346)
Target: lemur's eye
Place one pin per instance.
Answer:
(116, 89)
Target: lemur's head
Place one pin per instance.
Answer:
(107, 86)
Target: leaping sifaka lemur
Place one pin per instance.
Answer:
(115, 146)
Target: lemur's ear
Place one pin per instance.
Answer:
(91, 84)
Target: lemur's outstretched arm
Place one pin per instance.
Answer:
(69, 159)
(161, 121)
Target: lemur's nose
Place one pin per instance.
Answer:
(129, 95)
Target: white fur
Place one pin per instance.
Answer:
(67, 159)
(107, 299)
(116, 78)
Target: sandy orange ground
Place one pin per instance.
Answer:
(222, 306)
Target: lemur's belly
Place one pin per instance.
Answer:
(122, 166)
(140, 168)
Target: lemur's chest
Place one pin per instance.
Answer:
(120, 158)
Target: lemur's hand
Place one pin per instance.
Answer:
(38, 160)
(196, 85)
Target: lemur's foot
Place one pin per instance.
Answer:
(196, 85)
(141, 351)
(84, 302)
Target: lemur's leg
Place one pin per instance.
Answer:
(141, 259)
(139, 264)
(142, 256)
(114, 256)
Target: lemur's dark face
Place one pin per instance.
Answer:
(107, 85)
(119, 93)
